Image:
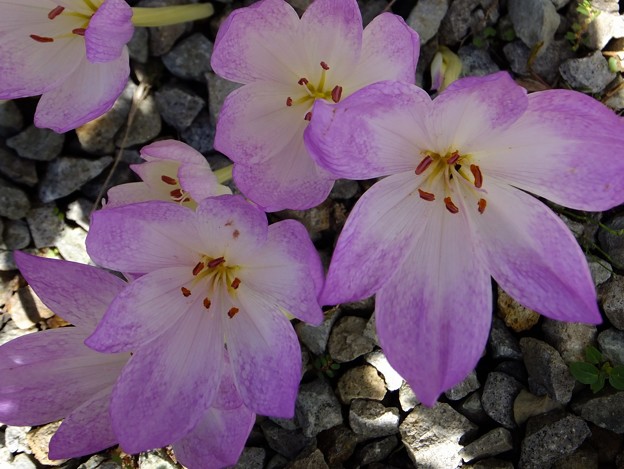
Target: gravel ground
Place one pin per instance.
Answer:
(520, 407)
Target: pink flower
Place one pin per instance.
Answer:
(52, 375)
(72, 52)
(287, 63)
(173, 171)
(452, 211)
(215, 277)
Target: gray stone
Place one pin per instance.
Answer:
(26, 309)
(407, 398)
(6, 261)
(93, 462)
(589, 73)
(163, 38)
(286, 442)
(252, 458)
(23, 461)
(39, 441)
(14, 203)
(190, 58)
(72, 245)
(503, 344)
(317, 407)
(138, 46)
(529, 405)
(534, 21)
(499, 392)
(153, 460)
(218, 89)
(392, 379)
(18, 169)
(583, 458)
(16, 439)
(144, 120)
(603, 28)
(371, 419)
(371, 8)
(546, 368)
(464, 16)
(516, 316)
(11, 120)
(600, 271)
(476, 61)
(432, 436)
(473, 410)
(315, 337)
(465, 387)
(337, 444)
(606, 412)
(9, 332)
(543, 447)
(611, 344)
(490, 464)
(178, 106)
(545, 64)
(67, 174)
(79, 211)
(346, 340)
(613, 300)
(492, 443)
(200, 134)
(15, 235)
(314, 460)
(612, 242)
(569, 338)
(426, 16)
(46, 225)
(362, 382)
(377, 451)
(5, 457)
(344, 189)
(37, 144)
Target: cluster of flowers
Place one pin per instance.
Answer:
(197, 340)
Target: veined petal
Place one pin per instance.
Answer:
(434, 313)
(143, 237)
(109, 31)
(375, 238)
(87, 93)
(376, 131)
(259, 42)
(566, 147)
(168, 384)
(265, 355)
(201, 182)
(86, 430)
(172, 150)
(227, 397)
(533, 256)
(79, 6)
(390, 51)
(78, 293)
(130, 193)
(218, 439)
(289, 271)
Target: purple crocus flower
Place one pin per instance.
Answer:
(215, 277)
(72, 52)
(287, 63)
(452, 211)
(52, 375)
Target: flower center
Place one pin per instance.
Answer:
(82, 20)
(311, 92)
(216, 274)
(176, 193)
(439, 173)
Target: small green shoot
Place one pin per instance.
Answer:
(578, 30)
(595, 371)
(326, 365)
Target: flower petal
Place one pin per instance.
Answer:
(201, 182)
(130, 193)
(168, 384)
(87, 93)
(533, 256)
(567, 147)
(259, 42)
(377, 131)
(172, 150)
(109, 30)
(374, 240)
(78, 293)
(434, 313)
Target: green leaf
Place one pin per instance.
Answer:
(593, 355)
(584, 372)
(478, 41)
(489, 32)
(613, 65)
(616, 378)
(329, 373)
(599, 384)
(335, 366)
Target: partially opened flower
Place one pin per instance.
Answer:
(215, 277)
(286, 64)
(52, 375)
(173, 171)
(452, 211)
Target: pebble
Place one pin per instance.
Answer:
(426, 16)
(494, 442)
(611, 344)
(344, 189)
(600, 271)
(153, 460)
(503, 344)
(78, 211)
(612, 243)
(145, 125)
(606, 412)
(163, 38)
(178, 106)
(26, 309)
(545, 64)
(67, 174)
(392, 379)
(362, 382)
(5, 457)
(190, 58)
(499, 392)
(465, 387)
(72, 245)
(9, 332)
(529, 405)
(39, 440)
(603, 28)
(472, 409)
(288, 443)
(583, 458)
(11, 120)
(337, 444)
(476, 61)
(15, 235)
(371, 419)
(407, 398)
(138, 46)
(37, 144)
(23, 461)
(251, 458)
(515, 316)
(14, 203)
(20, 170)
(314, 460)
(589, 74)
(315, 337)
(569, 338)
(218, 89)
(346, 340)
(317, 407)
(490, 464)
(377, 450)
(46, 225)
(200, 134)
(534, 21)
(15, 438)
(613, 300)
(440, 448)
(464, 16)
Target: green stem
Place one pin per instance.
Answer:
(165, 16)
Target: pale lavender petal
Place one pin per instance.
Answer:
(567, 147)
(265, 355)
(172, 150)
(89, 92)
(433, 315)
(534, 257)
(143, 237)
(130, 193)
(200, 182)
(227, 397)
(218, 440)
(109, 31)
(375, 239)
(168, 384)
(377, 131)
(86, 430)
(259, 42)
(288, 269)
(78, 293)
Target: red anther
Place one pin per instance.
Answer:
(235, 234)
(450, 206)
(426, 195)
(54, 13)
(186, 199)
(423, 165)
(207, 303)
(482, 204)
(176, 193)
(325, 66)
(215, 262)
(185, 291)
(232, 312)
(308, 116)
(289, 101)
(303, 81)
(198, 268)
(79, 31)
(41, 38)
(336, 93)
(235, 283)
(453, 158)
(478, 177)
(168, 180)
